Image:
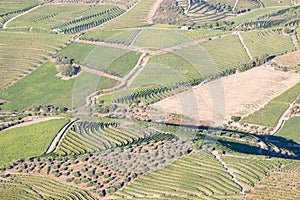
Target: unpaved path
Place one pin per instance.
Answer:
(295, 41)
(136, 35)
(58, 138)
(99, 73)
(229, 170)
(124, 84)
(24, 13)
(285, 116)
(235, 4)
(244, 45)
(152, 12)
(34, 120)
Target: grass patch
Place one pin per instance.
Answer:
(42, 87)
(100, 35)
(158, 74)
(21, 53)
(291, 129)
(28, 141)
(111, 60)
(77, 51)
(203, 33)
(124, 64)
(177, 63)
(160, 38)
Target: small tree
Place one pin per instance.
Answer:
(67, 70)
(235, 118)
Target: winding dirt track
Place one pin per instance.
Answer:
(151, 14)
(24, 13)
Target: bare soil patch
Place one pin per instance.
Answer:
(236, 95)
(289, 60)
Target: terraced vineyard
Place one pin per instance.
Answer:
(249, 171)
(13, 8)
(148, 95)
(86, 136)
(25, 52)
(19, 186)
(229, 57)
(135, 17)
(203, 12)
(271, 42)
(278, 186)
(270, 114)
(123, 3)
(291, 167)
(190, 177)
(67, 18)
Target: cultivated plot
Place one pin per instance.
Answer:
(67, 18)
(243, 93)
(28, 141)
(21, 53)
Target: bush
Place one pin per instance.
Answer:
(235, 118)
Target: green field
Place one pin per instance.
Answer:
(124, 64)
(270, 114)
(160, 38)
(202, 33)
(226, 52)
(214, 56)
(158, 74)
(291, 129)
(112, 36)
(165, 70)
(67, 18)
(111, 60)
(28, 141)
(100, 35)
(42, 87)
(267, 41)
(21, 53)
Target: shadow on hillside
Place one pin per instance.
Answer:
(276, 146)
